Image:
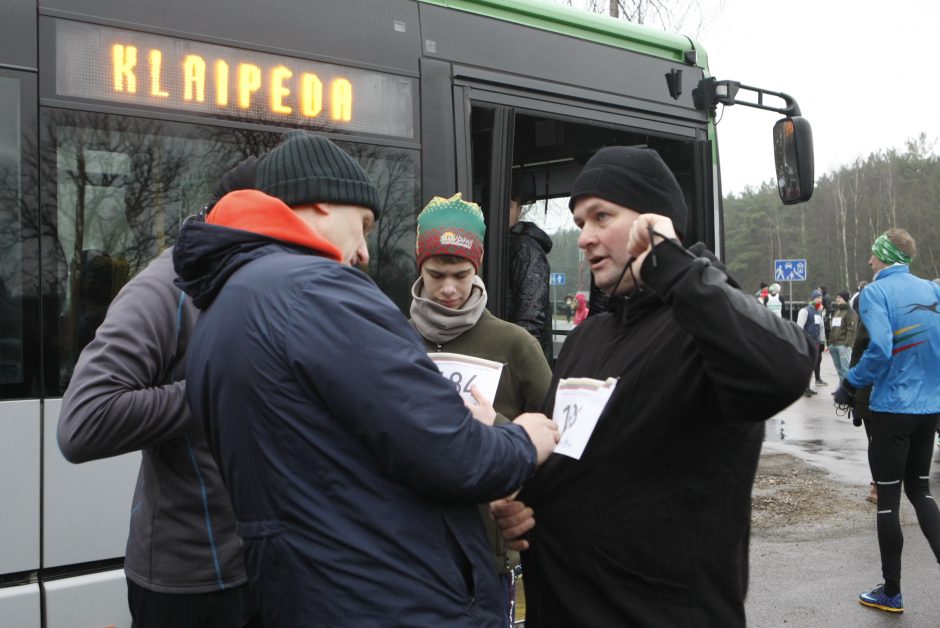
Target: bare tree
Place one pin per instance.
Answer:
(688, 16)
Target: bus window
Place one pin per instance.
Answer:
(392, 241)
(116, 190)
(11, 231)
(19, 275)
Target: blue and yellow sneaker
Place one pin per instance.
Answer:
(876, 598)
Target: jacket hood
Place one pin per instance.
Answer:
(523, 227)
(243, 226)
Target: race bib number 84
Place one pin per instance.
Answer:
(465, 371)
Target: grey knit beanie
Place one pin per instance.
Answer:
(636, 178)
(307, 168)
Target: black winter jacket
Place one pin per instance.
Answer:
(650, 527)
(529, 304)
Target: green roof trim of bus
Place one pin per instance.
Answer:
(583, 25)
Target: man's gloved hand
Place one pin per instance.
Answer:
(845, 394)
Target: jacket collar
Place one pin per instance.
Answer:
(243, 226)
(894, 269)
(254, 211)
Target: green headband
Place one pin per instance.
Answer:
(885, 250)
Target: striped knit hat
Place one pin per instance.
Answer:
(307, 168)
(450, 226)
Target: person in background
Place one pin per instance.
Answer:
(901, 313)
(529, 246)
(650, 527)
(353, 467)
(810, 320)
(774, 301)
(860, 412)
(853, 302)
(842, 333)
(581, 312)
(763, 293)
(184, 561)
(448, 309)
(826, 309)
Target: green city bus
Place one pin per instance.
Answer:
(120, 118)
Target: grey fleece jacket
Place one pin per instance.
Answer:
(128, 393)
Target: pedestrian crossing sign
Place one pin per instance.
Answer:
(790, 270)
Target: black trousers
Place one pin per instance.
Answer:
(899, 454)
(231, 608)
(819, 352)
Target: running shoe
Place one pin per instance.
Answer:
(876, 598)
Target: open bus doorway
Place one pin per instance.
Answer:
(540, 156)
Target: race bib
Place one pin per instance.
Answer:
(579, 403)
(464, 371)
(836, 322)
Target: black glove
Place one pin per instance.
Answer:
(845, 394)
(856, 420)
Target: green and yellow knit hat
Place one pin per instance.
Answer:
(450, 226)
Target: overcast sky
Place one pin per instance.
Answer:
(863, 72)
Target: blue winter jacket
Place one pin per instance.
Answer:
(902, 314)
(353, 466)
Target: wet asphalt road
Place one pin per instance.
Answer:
(815, 580)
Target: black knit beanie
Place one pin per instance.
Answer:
(636, 178)
(307, 168)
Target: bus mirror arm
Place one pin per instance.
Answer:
(792, 135)
(712, 92)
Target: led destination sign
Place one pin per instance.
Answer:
(104, 63)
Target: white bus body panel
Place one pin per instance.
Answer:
(19, 486)
(91, 601)
(19, 606)
(86, 507)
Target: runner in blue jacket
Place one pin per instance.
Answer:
(901, 313)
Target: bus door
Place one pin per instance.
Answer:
(535, 146)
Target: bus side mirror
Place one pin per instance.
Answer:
(793, 154)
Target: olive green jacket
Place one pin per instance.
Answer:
(844, 333)
(523, 385)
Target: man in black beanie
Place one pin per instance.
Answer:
(184, 562)
(353, 467)
(650, 526)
